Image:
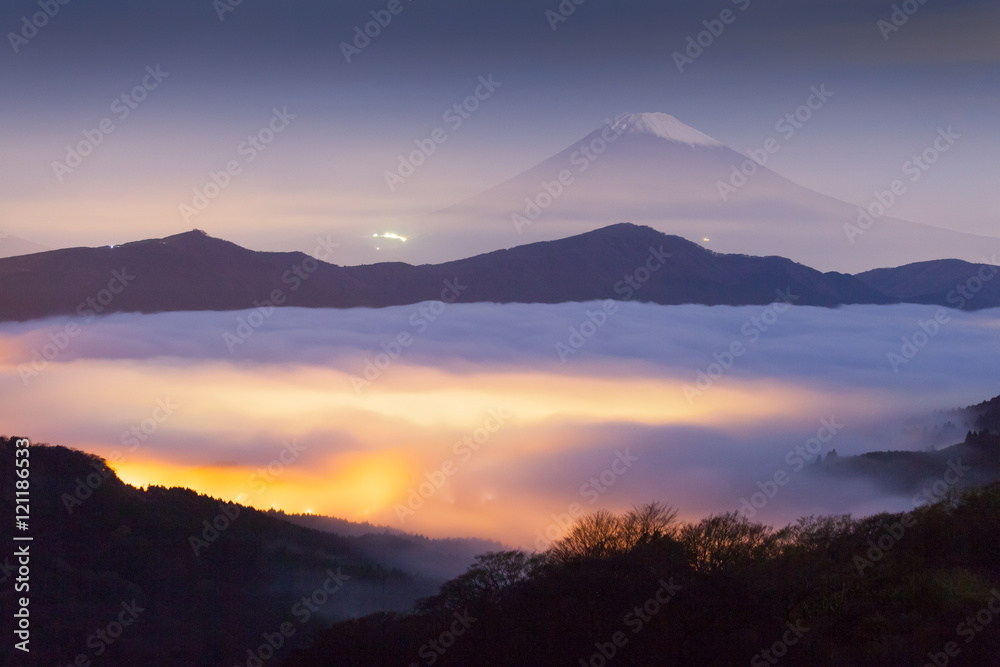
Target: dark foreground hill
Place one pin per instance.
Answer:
(986, 415)
(193, 271)
(198, 581)
(118, 575)
(639, 589)
(971, 463)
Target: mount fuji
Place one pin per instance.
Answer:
(652, 169)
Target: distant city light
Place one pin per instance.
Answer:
(390, 235)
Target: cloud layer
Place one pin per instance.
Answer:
(488, 420)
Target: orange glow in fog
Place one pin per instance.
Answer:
(365, 450)
(351, 486)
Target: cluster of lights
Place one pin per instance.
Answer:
(390, 235)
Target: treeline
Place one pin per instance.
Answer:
(166, 576)
(986, 440)
(201, 582)
(987, 415)
(640, 588)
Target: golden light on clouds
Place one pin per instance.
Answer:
(222, 428)
(352, 486)
(285, 399)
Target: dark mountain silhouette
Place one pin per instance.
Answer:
(642, 590)
(193, 271)
(98, 543)
(725, 588)
(653, 169)
(974, 462)
(986, 415)
(946, 282)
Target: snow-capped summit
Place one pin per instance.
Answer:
(666, 175)
(663, 126)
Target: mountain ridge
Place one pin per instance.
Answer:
(694, 186)
(195, 271)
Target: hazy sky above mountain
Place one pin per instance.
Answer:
(223, 68)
